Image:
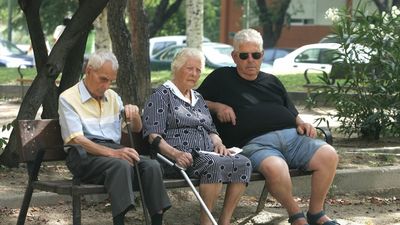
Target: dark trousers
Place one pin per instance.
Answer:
(119, 178)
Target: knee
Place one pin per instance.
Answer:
(150, 167)
(330, 155)
(122, 167)
(274, 168)
(326, 157)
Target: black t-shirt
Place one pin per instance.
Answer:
(261, 105)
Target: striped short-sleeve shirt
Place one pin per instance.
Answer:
(81, 114)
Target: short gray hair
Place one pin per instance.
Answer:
(98, 58)
(187, 53)
(247, 35)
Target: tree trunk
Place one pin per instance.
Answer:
(121, 44)
(382, 5)
(194, 23)
(140, 46)
(272, 24)
(49, 68)
(163, 12)
(103, 40)
(72, 72)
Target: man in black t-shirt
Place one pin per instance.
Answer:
(252, 110)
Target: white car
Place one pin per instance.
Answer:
(216, 54)
(158, 44)
(316, 56)
(11, 56)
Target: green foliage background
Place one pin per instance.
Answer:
(368, 102)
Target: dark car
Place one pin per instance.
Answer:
(11, 56)
(270, 54)
(217, 55)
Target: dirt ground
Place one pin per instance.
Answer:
(371, 209)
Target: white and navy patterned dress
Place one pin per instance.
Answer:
(186, 127)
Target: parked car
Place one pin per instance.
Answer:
(12, 56)
(320, 56)
(158, 44)
(217, 55)
(316, 56)
(270, 54)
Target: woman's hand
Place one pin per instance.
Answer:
(221, 149)
(183, 159)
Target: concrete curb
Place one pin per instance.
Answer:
(357, 181)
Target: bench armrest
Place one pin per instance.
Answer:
(327, 134)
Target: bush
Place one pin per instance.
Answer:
(368, 102)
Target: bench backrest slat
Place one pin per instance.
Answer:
(35, 135)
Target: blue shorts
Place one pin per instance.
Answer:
(297, 150)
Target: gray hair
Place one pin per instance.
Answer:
(187, 53)
(98, 58)
(247, 35)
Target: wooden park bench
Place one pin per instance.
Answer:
(40, 141)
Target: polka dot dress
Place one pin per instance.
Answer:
(187, 127)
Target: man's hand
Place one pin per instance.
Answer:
(183, 159)
(225, 114)
(129, 154)
(307, 129)
(132, 115)
(131, 112)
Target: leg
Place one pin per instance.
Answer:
(278, 181)
(232, 196)
(155, 194)
(323, 164)
(209, 193)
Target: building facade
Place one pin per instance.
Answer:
(307, 22)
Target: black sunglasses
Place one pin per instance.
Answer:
(245, 55)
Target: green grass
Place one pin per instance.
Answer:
(291, 82)
(10, 75)
(159, 77)
(295, 82)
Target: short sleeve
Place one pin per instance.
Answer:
(70, 122)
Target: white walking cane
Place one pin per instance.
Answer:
(155, 148)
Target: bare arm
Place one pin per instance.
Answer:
(183, 159)
(224, 112)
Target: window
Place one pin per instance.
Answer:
(308, 56)
(158, 46)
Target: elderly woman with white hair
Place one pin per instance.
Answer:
(179, 116)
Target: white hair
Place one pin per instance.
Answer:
(98, 58)
(247, 35)
(187, 53)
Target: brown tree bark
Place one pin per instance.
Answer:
(121, 45)
(163, 12)
(272, 20)
(48, 67)
(140, 53)
(382, 5)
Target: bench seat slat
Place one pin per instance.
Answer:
(64, 187)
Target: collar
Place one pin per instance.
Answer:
(168, 84)
(85, 95)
